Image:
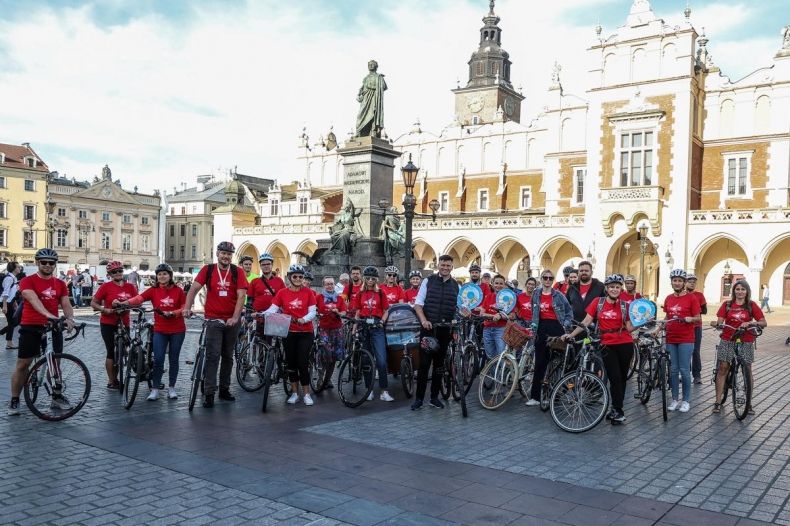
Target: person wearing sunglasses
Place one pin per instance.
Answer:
(371, 303)
(117, 289)
(391, 289)
(551, 316)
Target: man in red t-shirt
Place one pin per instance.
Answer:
(42, 293)
(352, 289)
(262, 289)
(226, 287)
(563, 285)
(682, 311)
(391, 289)
(696, 360)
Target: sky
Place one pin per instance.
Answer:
(164, 91)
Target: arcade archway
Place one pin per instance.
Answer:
(557, 253)
(639, 258)
(248, 249)
(464, 252)
(719, 261)
(424, 252)
(282, 258)
(776, 271)
(511, 259)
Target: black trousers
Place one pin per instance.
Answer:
(546, 328)
(436, 359)
(616, 359)
(9, 316)
(297, 355)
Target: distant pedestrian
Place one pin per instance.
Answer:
(764, 303)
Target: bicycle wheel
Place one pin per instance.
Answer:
(526, 371)
(446, 379)
(644, 379)
(197, 377)
(407, 376)
(269, 364)
(59, 393)
(119, 362)
(579, 402)
(472, 369)
(741, 391)
(553, 375)
(248, 372)
(496, 384)
(460, 378)
(633, 367)
(131, 382)
(662, 384)
(355, 377)
(318, 369)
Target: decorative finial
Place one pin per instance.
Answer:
(598, 30)
(491, 7)
(687, 11)
(458, 83)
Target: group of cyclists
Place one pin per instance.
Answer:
(547, 309)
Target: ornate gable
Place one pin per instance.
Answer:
(106, 190)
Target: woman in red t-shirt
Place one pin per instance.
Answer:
(110, 291)
(298, 302)
(683, 311)
(615, 329)
(523, 310)
(415, 280)
(739, 311)
(169, 328)
(495, 321)
(371, 302)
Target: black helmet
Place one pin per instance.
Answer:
(164, 267)
(46, 253)
(245, 258)
(308, 275)
(474, 267)
(226, 246)
(370, 272)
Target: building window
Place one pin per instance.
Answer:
(30, 161)
(82, 214)
(127, 219)
(172, 230)
(172, 210)
(144, 242)
(194, 231)
(579, 175)
(183, 229)
(127, 242)
(29, 239)
(183, 210)
(194, 251)
(29, 212)
(737, 170)
(636, 158)
(61, 212)
(482, 200)
(3, 210)
(145, 220)
(30, 186)
(475, 119)
(61, 239)
(2, 182)
(172, 252)
(105, 240)
(525, 198)
(105, 216)
(3, 237)
(82, 241)
(194, 209)
(444, 201)
(302, 205)
(181, 252)
(274, 207)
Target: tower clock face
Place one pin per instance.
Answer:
(476, 104)
(510, 106)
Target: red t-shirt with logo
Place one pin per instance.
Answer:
(260, 294)
(681, 307)
(610, 322)
(222, 292)
(349, 293)
(701, 299)
(296, 304)
(394, 293)
(546, 307)
(628, 298)
(330, 320)
(584, 289)
(489, 307)
(524, 306)
(410, 295)
(167, 299)
(49, 291)
(737, 315)
(111, 291)
(370, 303)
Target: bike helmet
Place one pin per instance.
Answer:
(226, 246)
(567, 270)
(678, 273)
(474, 267)
(113, 266)
(690, 276)
(308, 275)
(164, 267)
(415, 273)
(245, 258)
(295, 269)
(46, 253)
(265, 257)
(613, 278)
(392, 269)
(370, 272)
(629, 277)
(429, 344)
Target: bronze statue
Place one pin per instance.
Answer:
(344, 230)
(393, 232)
(370, 119)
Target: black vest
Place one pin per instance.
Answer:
(440, 299)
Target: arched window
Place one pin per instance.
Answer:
(727, 118)
(565, 134)
(762, 115)
(608, 69)
(639, 64)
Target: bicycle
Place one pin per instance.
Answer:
(140, 365)
(738, 379)
(198, 369)
(656, 377)
(580, 399)
(501, 376)
(461, 364)
(249, 356)
(122, 343)
(560, 360)
(56, 374)
(356, 368)
(320, 364)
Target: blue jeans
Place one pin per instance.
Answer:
(680, 356)
(76, 293)
(493, 343)
(161, 343)
(378, 346)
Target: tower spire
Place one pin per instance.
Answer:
(491, 7)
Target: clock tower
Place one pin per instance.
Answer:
(488, 96)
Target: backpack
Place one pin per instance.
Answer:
(233, 271)
(598, 310)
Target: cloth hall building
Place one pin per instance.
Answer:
(663, 162)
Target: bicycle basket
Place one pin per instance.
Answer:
(277, 325)
(515, 336)
(555, 344)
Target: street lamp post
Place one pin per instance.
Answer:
(409, 173)
(643, 245)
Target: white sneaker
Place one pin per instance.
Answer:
(385, 396)
(532, 402)
(307, 399)
(294, 398)
(154, 395)
(370, 396)
(673, 405)
(684, 407)
(171, 393)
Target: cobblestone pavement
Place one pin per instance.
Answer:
(383, 464)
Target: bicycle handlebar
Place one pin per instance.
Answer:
(755, 330)
(60, 324)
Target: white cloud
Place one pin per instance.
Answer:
(163, 102)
